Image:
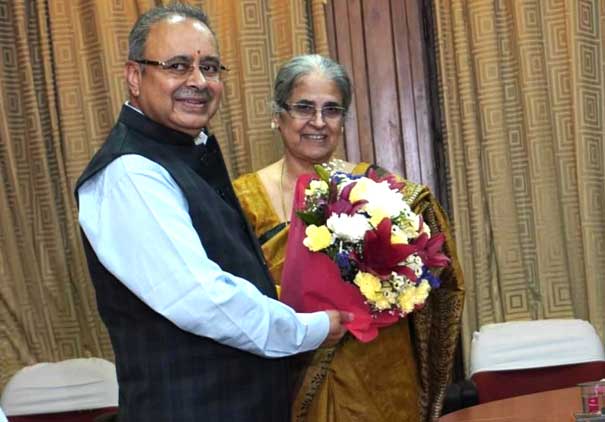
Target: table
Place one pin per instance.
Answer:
(554, 405)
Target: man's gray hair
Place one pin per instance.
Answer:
(140, 30)
(306, 64)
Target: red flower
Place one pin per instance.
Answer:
(380, 257)
(429, 250)
(393, 181)
(342, 205)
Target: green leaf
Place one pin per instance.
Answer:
(322, 173)
(310, 218)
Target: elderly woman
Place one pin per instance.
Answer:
(402, 374)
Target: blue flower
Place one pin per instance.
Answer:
(428, 276)
(340, 176)
(342, 260)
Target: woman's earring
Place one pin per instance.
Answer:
(273, 125)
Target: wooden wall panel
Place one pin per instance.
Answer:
(384, 107)
(381, 44)
(418, 49)
(407, 106)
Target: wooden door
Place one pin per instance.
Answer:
(382, 44)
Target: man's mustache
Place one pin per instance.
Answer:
(190, 93)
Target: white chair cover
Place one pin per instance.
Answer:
(534, 344)
(75, 384)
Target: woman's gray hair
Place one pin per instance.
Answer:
(140, 31)
(306, 64)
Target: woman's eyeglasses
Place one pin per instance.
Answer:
(182, 68)
(305, 111)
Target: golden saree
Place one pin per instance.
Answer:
(402, 375)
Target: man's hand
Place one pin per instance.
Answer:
(337, 329)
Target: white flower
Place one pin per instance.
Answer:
(399, 282)
(348, 227)
(389, 295)
(414, 263)
(381, 198)
(409, 223)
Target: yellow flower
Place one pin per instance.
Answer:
(318, 238)
(382, 304)
(376, 216)
(360, 190)
(369, 285)
(422, 291)
(398, 236)
(414, 296)
(406, 300)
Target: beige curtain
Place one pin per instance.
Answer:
(256, 37)
(61, 89)
(522, 88)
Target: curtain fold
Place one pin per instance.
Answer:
(43, 305)
(522, 90)
(61, 88)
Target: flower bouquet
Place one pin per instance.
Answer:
(355, 245)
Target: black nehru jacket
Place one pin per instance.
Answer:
(166, 374)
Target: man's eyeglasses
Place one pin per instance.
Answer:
(181, 68)
(305, 111)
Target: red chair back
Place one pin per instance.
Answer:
(497, 385)
(74, 416)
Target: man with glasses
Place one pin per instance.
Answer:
(180, 280)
